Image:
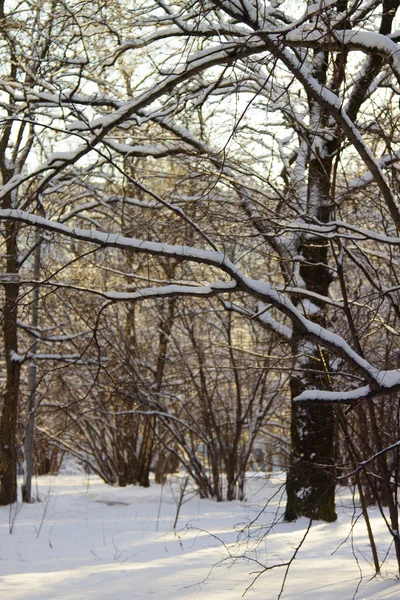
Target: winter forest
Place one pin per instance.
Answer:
(200, 288)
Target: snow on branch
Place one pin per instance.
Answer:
(99, 128)
(42, 336)
(262, 317)
(389, 382)
(170, 291)
(75, 359)
(349, 397)
(331, 230)
(81, 208)
(365, 41)
(360, 182)
(184, 29)
(115, 240)
(378, 380)
(278, 45)
(144, 150)
(331, 102)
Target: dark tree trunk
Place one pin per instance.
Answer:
(311, 476)
(26, 488)
(310, 486)
(146, 452)
(8, 426)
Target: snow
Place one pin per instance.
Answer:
(88, 541)
(337, 397)
(61, 156)
(326, 98)
(172, 290)
(383, 162)
(368, 40)
(156, 150)
(310, 308)
(388, 380)
(319, 6)
(77, 126)
(267, 319)
(362, 40)
(329, 231)
(380, 381)
(15, 357)
(117, 240)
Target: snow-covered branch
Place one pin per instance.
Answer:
(261, 290)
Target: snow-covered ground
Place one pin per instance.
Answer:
(88, 541)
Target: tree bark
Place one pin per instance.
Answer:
(8, 426)
(311, 477)
(26, 488)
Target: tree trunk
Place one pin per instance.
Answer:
(30, 426)
(8, 426)
(311, 477)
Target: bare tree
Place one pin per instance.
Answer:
(272, 121)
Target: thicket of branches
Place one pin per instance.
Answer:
(199, 229)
